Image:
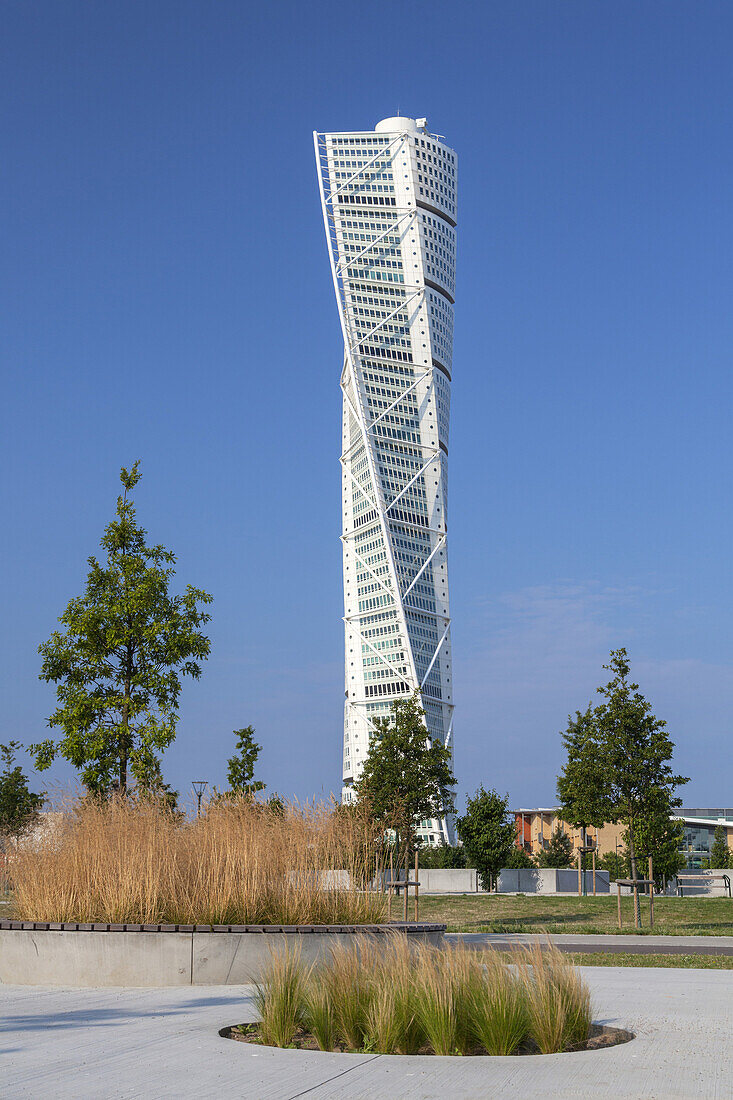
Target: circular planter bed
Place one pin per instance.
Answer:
(601, 1037)
(90, 955)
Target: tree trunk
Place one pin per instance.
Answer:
(125, 730)
(632, 859)
(123, 748)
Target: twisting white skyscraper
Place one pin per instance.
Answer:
(389, 208)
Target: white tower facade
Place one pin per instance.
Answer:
(389, 209)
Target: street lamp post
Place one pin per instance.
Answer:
(199, 786)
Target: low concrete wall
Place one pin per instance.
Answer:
(448, 880)
(61, 957)
(548, 880)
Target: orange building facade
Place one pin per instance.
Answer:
(536, 826)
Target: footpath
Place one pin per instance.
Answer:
(615, 945)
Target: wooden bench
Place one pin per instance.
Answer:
(702, 880)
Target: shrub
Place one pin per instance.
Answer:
(519, 858)
(442, 856)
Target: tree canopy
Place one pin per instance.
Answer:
(19, 806)
(582, 786)
(720, 852)
(241, 769)
(443, 856)
(118, 662)
(487, 834)
(407, 776)
(619, 768)
(559, 851)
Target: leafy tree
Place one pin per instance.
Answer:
(118, 662)
(658, 835)
(519, 858)
(720, 855)
(559, 851)
(616, 863)
(636, 751)
(487, 834)
(406, 775)
(443, 856)
(582, 786)
(276, 805)
(19, 806)
(241, 770)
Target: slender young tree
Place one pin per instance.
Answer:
(406, 776)
(118, 662)
(616, 863)
(720, 852)
(241, 770)
(488, 835)
(559, 852)
(582, 786)
(19, 806)
(636, 753)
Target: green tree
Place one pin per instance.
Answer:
(520, 858)
(616, 863)
(559, 851)
(487, 834)
(241, 770)
(19, 806)
(635, 751)
(720, 852)
(658, 835)
(119, 660)
(582, 786)
(407, 776)
(443, 856)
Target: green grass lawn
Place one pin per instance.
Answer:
(532, 913)
(684, 962)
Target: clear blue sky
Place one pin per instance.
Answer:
(165, 296)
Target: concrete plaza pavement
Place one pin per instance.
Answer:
(154, 1044)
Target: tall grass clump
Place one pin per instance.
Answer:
(557, 998)
(388, 997)
(318, 1013)
(352, 978)
(443, 981)
(128, 860)
(497, 1008)
(391, 1021)
(280, 999)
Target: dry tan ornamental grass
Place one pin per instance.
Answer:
(428, 1000)
(241, 862)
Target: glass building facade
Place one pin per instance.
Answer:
(389, 209)
(700, 824)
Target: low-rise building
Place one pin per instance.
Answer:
(535, 827)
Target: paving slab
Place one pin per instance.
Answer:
(632, 944)
(146, 1044)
